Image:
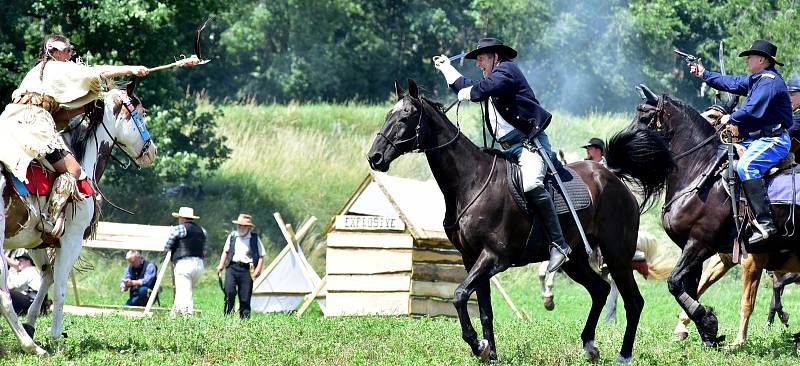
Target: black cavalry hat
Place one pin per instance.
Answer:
(762, 48)
(491, 45)
(596, 142)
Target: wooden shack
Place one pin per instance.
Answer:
(387, 252)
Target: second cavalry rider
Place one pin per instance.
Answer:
(515, 118)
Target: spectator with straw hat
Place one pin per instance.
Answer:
(242, 257)
(188, 245)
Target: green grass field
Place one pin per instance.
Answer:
(280, 339)
(307, 160)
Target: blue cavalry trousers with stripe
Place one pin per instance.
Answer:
(761, 155)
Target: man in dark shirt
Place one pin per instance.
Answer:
(761, 123)
(139, 279)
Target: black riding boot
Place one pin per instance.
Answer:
(756, 194)
(543, 206)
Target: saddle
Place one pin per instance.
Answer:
(22, 199)
(574, 187)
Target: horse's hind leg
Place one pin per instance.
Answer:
(483, 269)
(579, 270)
(546, 280)
(40, 258)
(779, 282)
(622, 273)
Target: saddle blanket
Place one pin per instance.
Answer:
(781, 187)
(573, 186)
(40, 182)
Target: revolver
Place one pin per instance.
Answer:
(690, 59)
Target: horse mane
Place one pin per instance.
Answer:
(693, 115)
(79, 136)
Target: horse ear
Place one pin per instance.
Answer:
(413, 90)
(647, 95)
(399, 90)
(733, 101)
(130, 87)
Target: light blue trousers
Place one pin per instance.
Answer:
(761, 155)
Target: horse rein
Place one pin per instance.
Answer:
(655, 123)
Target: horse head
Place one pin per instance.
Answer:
(401, 129)
(123, 121)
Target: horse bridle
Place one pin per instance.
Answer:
(140, 127)
(417, 148)
(655, 124)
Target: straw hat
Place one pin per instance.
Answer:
(244, 220)
(185, 212)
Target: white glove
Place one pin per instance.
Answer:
(725, 119)
(464, 94)
(442, 63)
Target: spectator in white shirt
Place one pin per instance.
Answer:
(243, 257)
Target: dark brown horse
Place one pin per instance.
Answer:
(696, 216)
(487, 227)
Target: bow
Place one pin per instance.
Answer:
(196, 59)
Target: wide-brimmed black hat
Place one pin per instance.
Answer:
(762, 48)
(492, 45)
(596, 142)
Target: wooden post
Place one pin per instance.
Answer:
(75, 288)
(154, 294)
(502, 291)
(310, 297)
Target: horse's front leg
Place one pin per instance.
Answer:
(487, 317)
(751, 277)
(480, 271)
(718, 266)
(682, 284)
(40, 258)
(546, 282)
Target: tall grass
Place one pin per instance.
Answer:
(306, 160)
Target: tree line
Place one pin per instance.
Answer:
(579, 55)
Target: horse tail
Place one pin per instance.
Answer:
(659, 261)
(641, 156)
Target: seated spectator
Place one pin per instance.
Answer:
(139, 279)
(24, 280)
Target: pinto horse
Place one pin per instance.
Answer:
(697, 213)
(490, 231)
(110, 124)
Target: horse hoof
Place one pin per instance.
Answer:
(680, 336)
(483, 350)
(29, 329)
(548, 303)
(738, 342)
(621, 359)
(591, 352)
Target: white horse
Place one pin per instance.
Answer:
(111, 126)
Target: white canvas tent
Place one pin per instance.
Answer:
(289, 278)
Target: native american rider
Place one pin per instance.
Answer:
(761, 123)
(514, 119)
(51, 93)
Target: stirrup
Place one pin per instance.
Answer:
(556, 263)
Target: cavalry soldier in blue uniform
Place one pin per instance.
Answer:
(514, 118)
(794, 131)
(761, 123)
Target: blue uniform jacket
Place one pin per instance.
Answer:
(511, 95)
(767, 101)
(794, 131)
